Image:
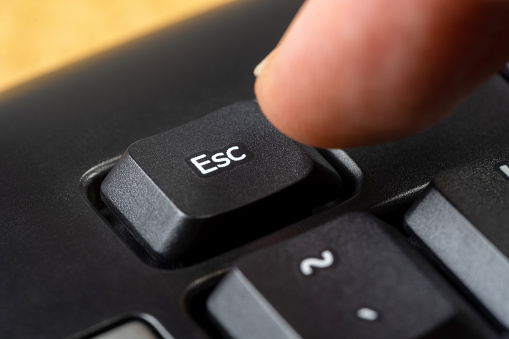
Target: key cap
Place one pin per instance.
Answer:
(464, 221)
(177, 192)
(351, 278)
(134, 329)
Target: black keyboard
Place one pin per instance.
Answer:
(144, 195)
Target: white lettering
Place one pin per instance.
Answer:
(223, 161)
(231, 156)
(214, 162)
(307, 265)
(505, 170)
(200, 165)
(367, 314)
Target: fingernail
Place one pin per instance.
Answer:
(260, 67)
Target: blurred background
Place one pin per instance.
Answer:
(37, 37)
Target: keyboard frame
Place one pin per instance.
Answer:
(65, 273)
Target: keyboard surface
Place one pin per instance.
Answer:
(412, 245)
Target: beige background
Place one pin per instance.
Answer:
(38, 36)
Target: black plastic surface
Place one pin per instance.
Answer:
(463, 221)
(353, 275)
(480, 191)
(63, 270)
(183, 189)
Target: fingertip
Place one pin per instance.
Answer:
(370, 78)
(275, 97)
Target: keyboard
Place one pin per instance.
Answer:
(144, 195)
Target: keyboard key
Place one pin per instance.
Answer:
(134, 329)
(353, 278)
(178, 190)
(463, 221)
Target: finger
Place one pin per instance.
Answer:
(350, 73)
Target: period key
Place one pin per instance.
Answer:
(213, 182)
(353, 277)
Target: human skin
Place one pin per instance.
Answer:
(350, 73)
